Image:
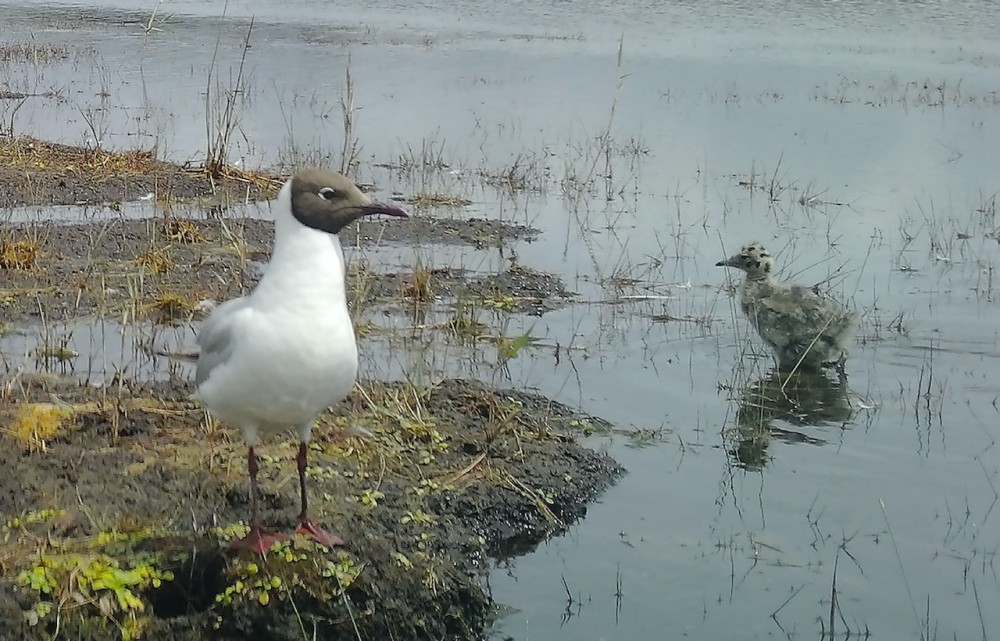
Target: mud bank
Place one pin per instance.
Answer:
(118, 503)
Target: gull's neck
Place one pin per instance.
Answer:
(758, 277)
(303, 259)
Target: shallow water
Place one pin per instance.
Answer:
(853, 135)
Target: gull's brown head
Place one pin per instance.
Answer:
(328, 201)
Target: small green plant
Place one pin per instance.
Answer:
(464, 323)
(252, 584)
(66, 582)
(500, 302)
(419, 517)
(31, 518)
(508, 348)
(343, 570)
(370, 498)
(290, 567)
(423, 431)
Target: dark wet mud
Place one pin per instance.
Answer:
(161, 269)
(117, 505)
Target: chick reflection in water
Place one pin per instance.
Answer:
(777, 405)
(805, 331)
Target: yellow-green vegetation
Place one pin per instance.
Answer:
(370, 498)
(419, 517)
(104, 578)
(37, 162)
(510, 347)
(35, 424)
(183, 231)
(155, 260)
(18, 254)
(288, 570)
(58, 351)
(34, 154)
(419, 290)
(500, 301)
(109, 581)
(171, 306)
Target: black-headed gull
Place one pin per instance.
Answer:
(280, 356)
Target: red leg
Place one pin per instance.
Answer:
(306, 526)
(257, 539)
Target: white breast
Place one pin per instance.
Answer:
(293, 346)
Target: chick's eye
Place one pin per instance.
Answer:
(328, 193)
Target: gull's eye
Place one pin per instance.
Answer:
(328, 193)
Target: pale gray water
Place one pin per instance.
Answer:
(887, 114)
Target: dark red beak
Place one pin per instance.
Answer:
(374, 209)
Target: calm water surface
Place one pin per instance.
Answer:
(858, 140)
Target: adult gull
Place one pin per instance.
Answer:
(280, 356)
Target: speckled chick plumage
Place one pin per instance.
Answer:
(804, 329)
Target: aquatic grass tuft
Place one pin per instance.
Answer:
(221, 117)
(182, 231)
(35, 53)
(19, 254)
(419, 289)
(157, 261)
(171, 306)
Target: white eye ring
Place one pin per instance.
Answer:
(328, 193)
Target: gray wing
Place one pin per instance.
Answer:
(802, 307)
(794, 318)
(215, 340)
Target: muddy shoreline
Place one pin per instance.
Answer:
(133, 478)
(119, 500)
(38, 172)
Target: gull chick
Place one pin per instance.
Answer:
(277, 358)
(802, 328)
